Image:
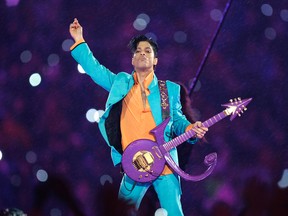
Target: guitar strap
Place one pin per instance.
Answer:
(164, 99)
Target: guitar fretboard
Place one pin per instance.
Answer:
(187, 135)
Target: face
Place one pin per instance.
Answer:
(144, 58)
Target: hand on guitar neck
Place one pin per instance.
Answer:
(199, 129)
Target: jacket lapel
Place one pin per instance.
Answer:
(154, 100)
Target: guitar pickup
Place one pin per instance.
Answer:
(148, 158)
(143, 161)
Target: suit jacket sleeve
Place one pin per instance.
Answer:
(99, 73)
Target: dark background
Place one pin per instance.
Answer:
(44, 130)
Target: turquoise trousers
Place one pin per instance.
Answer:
(167, 188)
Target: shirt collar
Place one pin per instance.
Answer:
(147, 80)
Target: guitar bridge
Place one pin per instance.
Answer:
(143, 160)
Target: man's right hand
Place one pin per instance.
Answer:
(76, 30)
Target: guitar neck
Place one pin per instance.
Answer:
(187, 135)
(213, 120)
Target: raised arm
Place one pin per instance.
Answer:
(83, 55)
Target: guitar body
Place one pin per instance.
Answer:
(143, 161)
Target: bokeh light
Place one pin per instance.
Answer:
(144, 17)
(42, 175)
(216, 15)
(31, 157)
(35, 79)
(98, 114)
(141, 22)
(90, 115)
(53, 60)
(180, 37)
(270, 33)
(106, 178)
(161, 212)
(67, 44)
(80, 69)
(55, 212)
(284, 15)
(12, 3)
(151, 35)
(267, 10)
(26, 56)
(283, 183)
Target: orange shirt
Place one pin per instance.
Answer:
(137, 121)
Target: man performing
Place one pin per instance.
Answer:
(133, 109)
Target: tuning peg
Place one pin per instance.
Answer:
(239, 99)
(243, 108)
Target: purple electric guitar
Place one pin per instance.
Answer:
(143, 160)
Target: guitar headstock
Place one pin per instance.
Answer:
(236, 107)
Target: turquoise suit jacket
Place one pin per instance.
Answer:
(118, 85)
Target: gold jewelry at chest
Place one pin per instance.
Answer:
(143, 96)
